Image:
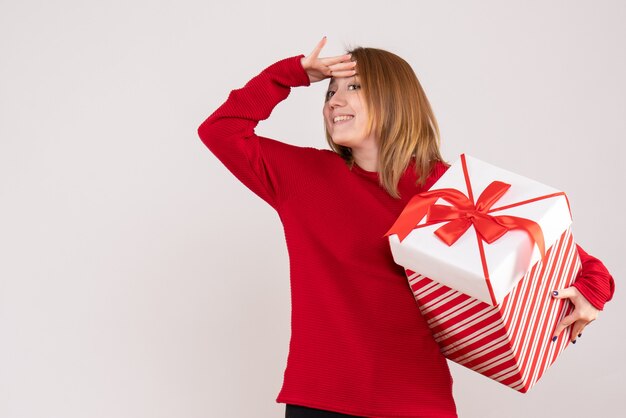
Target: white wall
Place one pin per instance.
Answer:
(133, 280)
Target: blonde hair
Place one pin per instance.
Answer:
(399, 111)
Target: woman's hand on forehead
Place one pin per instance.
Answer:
(320, 68)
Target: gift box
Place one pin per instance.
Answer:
(482, 268)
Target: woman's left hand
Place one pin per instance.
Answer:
(584, 312)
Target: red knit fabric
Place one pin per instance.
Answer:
(359, 344)
(594, 281)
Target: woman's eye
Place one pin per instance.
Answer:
(330, 93)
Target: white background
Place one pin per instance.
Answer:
(139, 278)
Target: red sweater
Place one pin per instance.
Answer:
(359, 344)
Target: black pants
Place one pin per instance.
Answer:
(297, 411)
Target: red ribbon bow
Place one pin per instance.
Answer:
(462, 214)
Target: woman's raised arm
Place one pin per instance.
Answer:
(229, 131)
(260, 162)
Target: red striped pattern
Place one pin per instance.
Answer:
(509, 343)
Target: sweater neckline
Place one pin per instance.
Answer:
(361, 170)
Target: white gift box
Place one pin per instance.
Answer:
(485, 271)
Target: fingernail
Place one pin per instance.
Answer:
(555, 293)
(554, 338)
(580, 335)
(574, 342)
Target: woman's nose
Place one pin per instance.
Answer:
(336, 100)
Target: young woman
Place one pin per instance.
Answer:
(359, 346)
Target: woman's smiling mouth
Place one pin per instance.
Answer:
(342, 118)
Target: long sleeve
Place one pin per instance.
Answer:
(594, 280)
(258, 162)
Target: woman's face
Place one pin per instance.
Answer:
(345, 113)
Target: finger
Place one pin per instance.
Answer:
(337, 74)
(564, 293)
(343, 66)
(565, 322)
(318, 48)
(346, 69)
(577, 330)
(336, 59)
